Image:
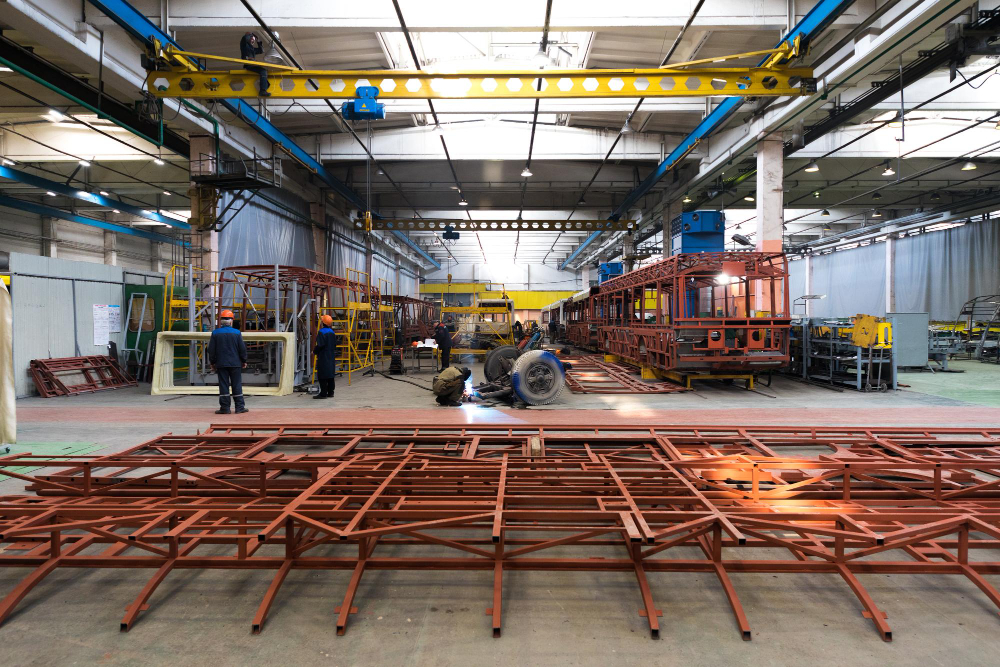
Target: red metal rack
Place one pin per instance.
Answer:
(77, 375)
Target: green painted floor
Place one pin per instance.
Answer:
(978, 384)
(51, 449)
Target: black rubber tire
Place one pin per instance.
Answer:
(492, 367)
(538, 377)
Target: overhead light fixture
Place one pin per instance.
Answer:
(812, 167)
(158, 161)
(627, 127)
(167, 192)
(687, 199)
(816, 194)
(380, 172)
(825, 213)
(935, 196)
(84, 163)
(877, 214)
(273, 55)
(827, 227)
(749, 198)
(50, 193)
(877, 196)
(997, 126)
(582, 202)
(889, 171)
(969, 166)
(83, 193)
(541, 58)
(742, 240)
(6, 69)
(525, 173)
(104, 194)
(55, 116)
(114, 210)
(8, 162)
(462, 202)
(897, 120)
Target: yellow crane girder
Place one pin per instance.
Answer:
(439, 224)
(527, 84)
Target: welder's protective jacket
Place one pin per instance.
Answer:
(326, 353)
(449, 381)
(226, 348)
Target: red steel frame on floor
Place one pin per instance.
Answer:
(848, 501)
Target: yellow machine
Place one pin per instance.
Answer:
(484, 325)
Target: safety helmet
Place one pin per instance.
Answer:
(226, 314)
(327, 320)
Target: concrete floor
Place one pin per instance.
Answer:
(549, 618)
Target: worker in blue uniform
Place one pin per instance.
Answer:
(326, 358)
(228, 355)
(250, 48)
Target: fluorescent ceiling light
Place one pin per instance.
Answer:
(167, 192)
(104, 194)
(158, 161)
(50, 193)
(749, 198)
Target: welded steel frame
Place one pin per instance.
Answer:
(590, 374)
(724, 311)
(414, 318)
(889, 500)
(293, 299)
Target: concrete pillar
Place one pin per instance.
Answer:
(110, 248)
(205, 250)
(770, 195)
(317, 211)
(585, 276)
(156, 257)
(399, 284)
(809, 284)
(50, 237)
(674, 209)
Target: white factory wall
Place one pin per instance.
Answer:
(935, 272)
(513, 276)
(23, 233)
(53, 302)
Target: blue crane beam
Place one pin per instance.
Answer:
(819, 17)
(51, 212)
(100, 200)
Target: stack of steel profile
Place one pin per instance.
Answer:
(495, 499)
(77, 375)
(590, 374)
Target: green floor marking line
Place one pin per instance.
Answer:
(50, 449)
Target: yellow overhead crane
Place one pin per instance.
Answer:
(175, 73)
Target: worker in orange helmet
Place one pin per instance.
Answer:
(326, 357)
(228, 355)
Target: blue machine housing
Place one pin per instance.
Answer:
(364, 106)
(698, 231)
(609, 270)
